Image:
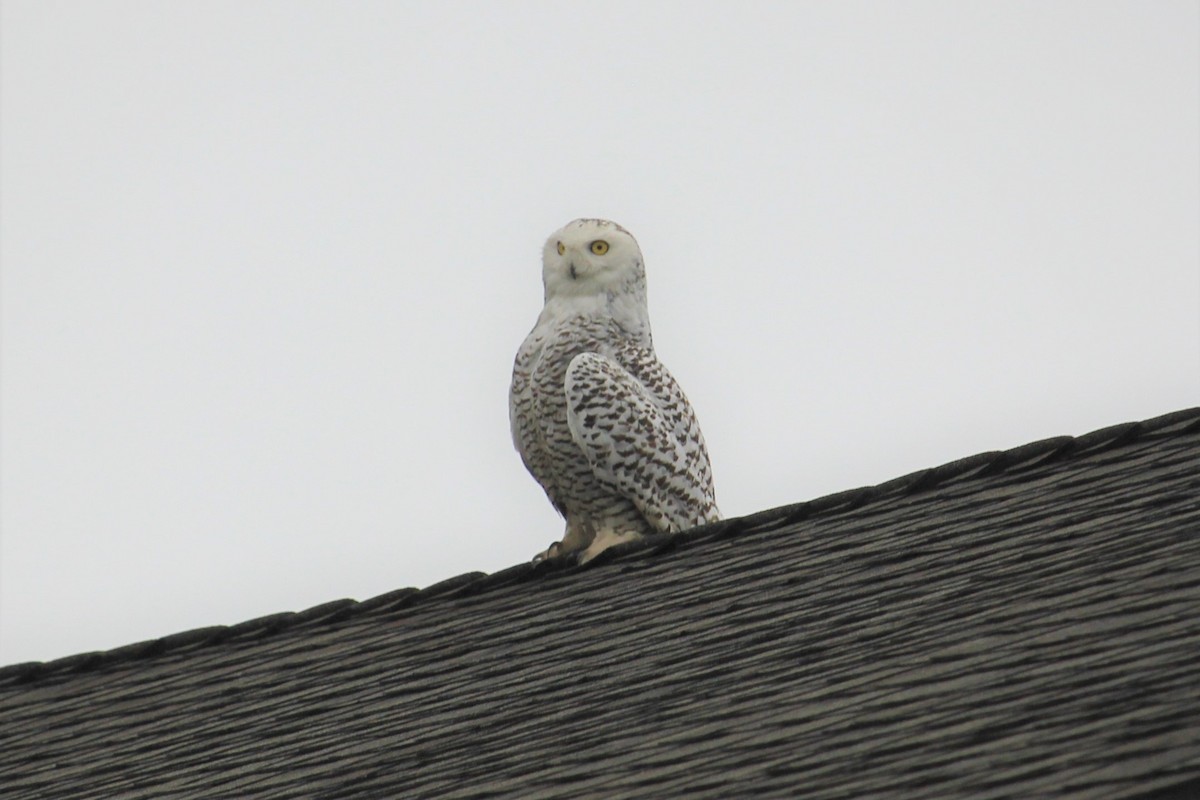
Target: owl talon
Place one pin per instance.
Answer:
(550, 552)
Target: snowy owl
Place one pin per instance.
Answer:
(597, 419)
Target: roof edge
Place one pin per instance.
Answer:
(980, 466)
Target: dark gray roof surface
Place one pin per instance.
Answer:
(1017, 624)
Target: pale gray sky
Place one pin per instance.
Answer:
(265, 267)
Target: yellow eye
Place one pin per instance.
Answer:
(561, 249)
(599, 247)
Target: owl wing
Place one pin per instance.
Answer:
(639, 435)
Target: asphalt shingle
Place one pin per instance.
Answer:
(1015, 624)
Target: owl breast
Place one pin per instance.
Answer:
(542, 435)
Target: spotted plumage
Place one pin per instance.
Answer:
(598, 420)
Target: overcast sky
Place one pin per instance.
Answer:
(265, 267)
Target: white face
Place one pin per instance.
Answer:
(591, 257)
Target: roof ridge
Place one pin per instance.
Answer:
(982, 465)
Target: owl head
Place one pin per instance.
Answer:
(592, 257)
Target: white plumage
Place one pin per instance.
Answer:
(597, 419)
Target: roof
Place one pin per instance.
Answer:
(1013, 624)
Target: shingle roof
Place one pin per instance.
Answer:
(1015, 624)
